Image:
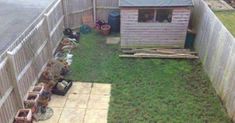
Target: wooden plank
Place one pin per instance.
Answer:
(163, 51)
(162, 56)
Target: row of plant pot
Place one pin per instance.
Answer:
(38, 97)
(31, 105)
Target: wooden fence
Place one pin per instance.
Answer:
(22, 64)
(216, 47)
(75, 10)
(104, 7)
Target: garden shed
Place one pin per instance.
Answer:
(154, 23)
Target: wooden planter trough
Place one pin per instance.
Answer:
(24, 116)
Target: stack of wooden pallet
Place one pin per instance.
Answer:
(159, 53)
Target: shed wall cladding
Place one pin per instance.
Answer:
(170, 35)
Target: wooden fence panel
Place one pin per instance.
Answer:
(5, 78)
(216, 47)
(55, 18)
(75, 19)
(54, 15)
(57, 35)
(104, 7)
(8, 109)
(76, 10)
(25, 51)
(8, 100)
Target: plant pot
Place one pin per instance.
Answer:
(105, 29)
(23, 116)
(37, 89)
(31, 101)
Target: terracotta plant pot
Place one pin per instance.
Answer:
(31, 102)
(23, 116)
(105, 29)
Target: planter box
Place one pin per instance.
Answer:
(62, 93)
(37, 89)
(31, 101)
(23, 116)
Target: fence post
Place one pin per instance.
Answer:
(50, 49)
(65, 12)
(94, 11)
(14, 79)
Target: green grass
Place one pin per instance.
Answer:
(148, 90)
(228, 18)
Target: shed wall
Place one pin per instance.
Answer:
(170, 35)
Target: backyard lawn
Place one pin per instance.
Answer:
(228, 18)
(148, 90)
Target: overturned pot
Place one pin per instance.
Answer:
(105, 29)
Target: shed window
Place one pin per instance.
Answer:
(155, 15)
(164, 15)
(146, 15)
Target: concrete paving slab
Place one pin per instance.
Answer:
(101, 89)
(77, 101)
(56, 116)
(57, 101)
(98, 102)
(96, 116)
(71, 115)
(80, 88)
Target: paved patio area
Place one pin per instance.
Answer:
(84, 103)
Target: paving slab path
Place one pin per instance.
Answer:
(84, 103)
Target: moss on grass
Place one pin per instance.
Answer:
(148, 90)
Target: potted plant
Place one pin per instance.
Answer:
(23, 116)
(45, 97)
(99, 23)
(105, 29)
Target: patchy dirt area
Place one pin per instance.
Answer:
(218, 5)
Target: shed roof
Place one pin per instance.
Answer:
(155, 3)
